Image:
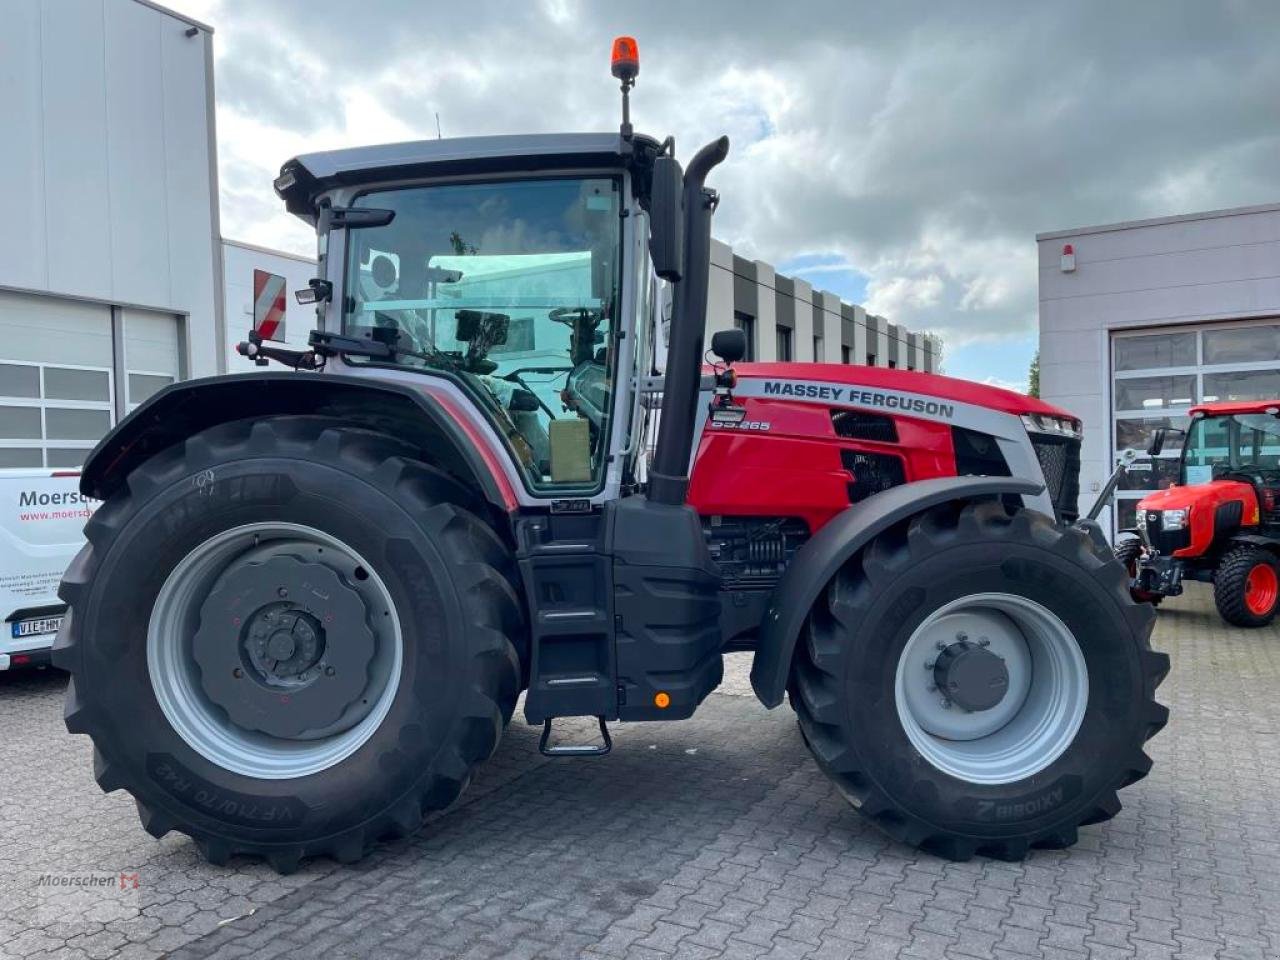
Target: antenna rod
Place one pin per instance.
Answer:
(438, 134)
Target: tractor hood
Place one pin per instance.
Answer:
(1208, 494)
(929, 384)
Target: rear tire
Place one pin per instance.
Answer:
(439, 669)
(1245, 586)
(1128, 551)
(927, 774)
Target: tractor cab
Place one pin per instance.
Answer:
(526, 296)
(1235, 443)
(1221, 522)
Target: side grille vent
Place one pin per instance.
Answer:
(1060, 461)
(978, 454)
(872, 472)
(855, 425)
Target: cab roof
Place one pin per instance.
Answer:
(308, 175)
(1228, 407)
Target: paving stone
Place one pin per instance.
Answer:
(739, 850)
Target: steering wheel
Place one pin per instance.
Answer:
(571, 315)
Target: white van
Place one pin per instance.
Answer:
(42, 517)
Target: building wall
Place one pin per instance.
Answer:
(752, 292)
(109, 162)
(1187, 274)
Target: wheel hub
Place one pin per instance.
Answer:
(283, 644)
(284, 647)
(971, 676)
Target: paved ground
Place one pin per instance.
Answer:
(715, 837)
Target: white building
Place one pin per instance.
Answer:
(1140, 320)
(109, 259)
(786, 319)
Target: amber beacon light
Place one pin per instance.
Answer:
(625, 60)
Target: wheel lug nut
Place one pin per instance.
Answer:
(282, 592)
(329, 671)
(961, 637)
(237, 673)
(984, 642)
(929, 664)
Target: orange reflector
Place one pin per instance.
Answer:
(662, 699)
(624, 63)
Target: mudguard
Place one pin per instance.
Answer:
(847, 533)
(182, 409)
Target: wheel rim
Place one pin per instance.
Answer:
(1260, 589)
(983, 721)
(283, 688)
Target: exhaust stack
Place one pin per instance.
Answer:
(669, 474)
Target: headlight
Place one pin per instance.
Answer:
(1174, 519)
(1044, 423)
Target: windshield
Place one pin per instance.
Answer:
(511, 289)
(1226, 444)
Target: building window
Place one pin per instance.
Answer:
(784, 343)
(844, 355)
(817, 349)
(1156, 377)
(871, 359)
(747, 324)
(52, 415)
(893, 364)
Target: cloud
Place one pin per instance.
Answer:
(918, 145)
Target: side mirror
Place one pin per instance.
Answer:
(666, 219)
(1157, 442)
(729, 345)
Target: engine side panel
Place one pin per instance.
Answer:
(786, 456)
(785, 459)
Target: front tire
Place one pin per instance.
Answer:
(1246, 586)
(1030, 636)
(289, 638)
(1128, 551)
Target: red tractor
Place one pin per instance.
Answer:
(311, 599)
(1221, 522)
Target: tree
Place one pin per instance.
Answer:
(938, 345)
(1033, 376)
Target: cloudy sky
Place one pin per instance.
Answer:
(903, 155)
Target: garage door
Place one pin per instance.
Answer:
(69, 370)
(57, 389)
(1157, 376)
(152, 353)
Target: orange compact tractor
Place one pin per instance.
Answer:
(1221, 522)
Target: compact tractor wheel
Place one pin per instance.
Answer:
(288, 638)
(979, 680)
(1246, 586)
(1128, 551)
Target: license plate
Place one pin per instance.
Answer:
(34, 628)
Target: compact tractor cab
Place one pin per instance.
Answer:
(1221, 522)
(311, 598)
